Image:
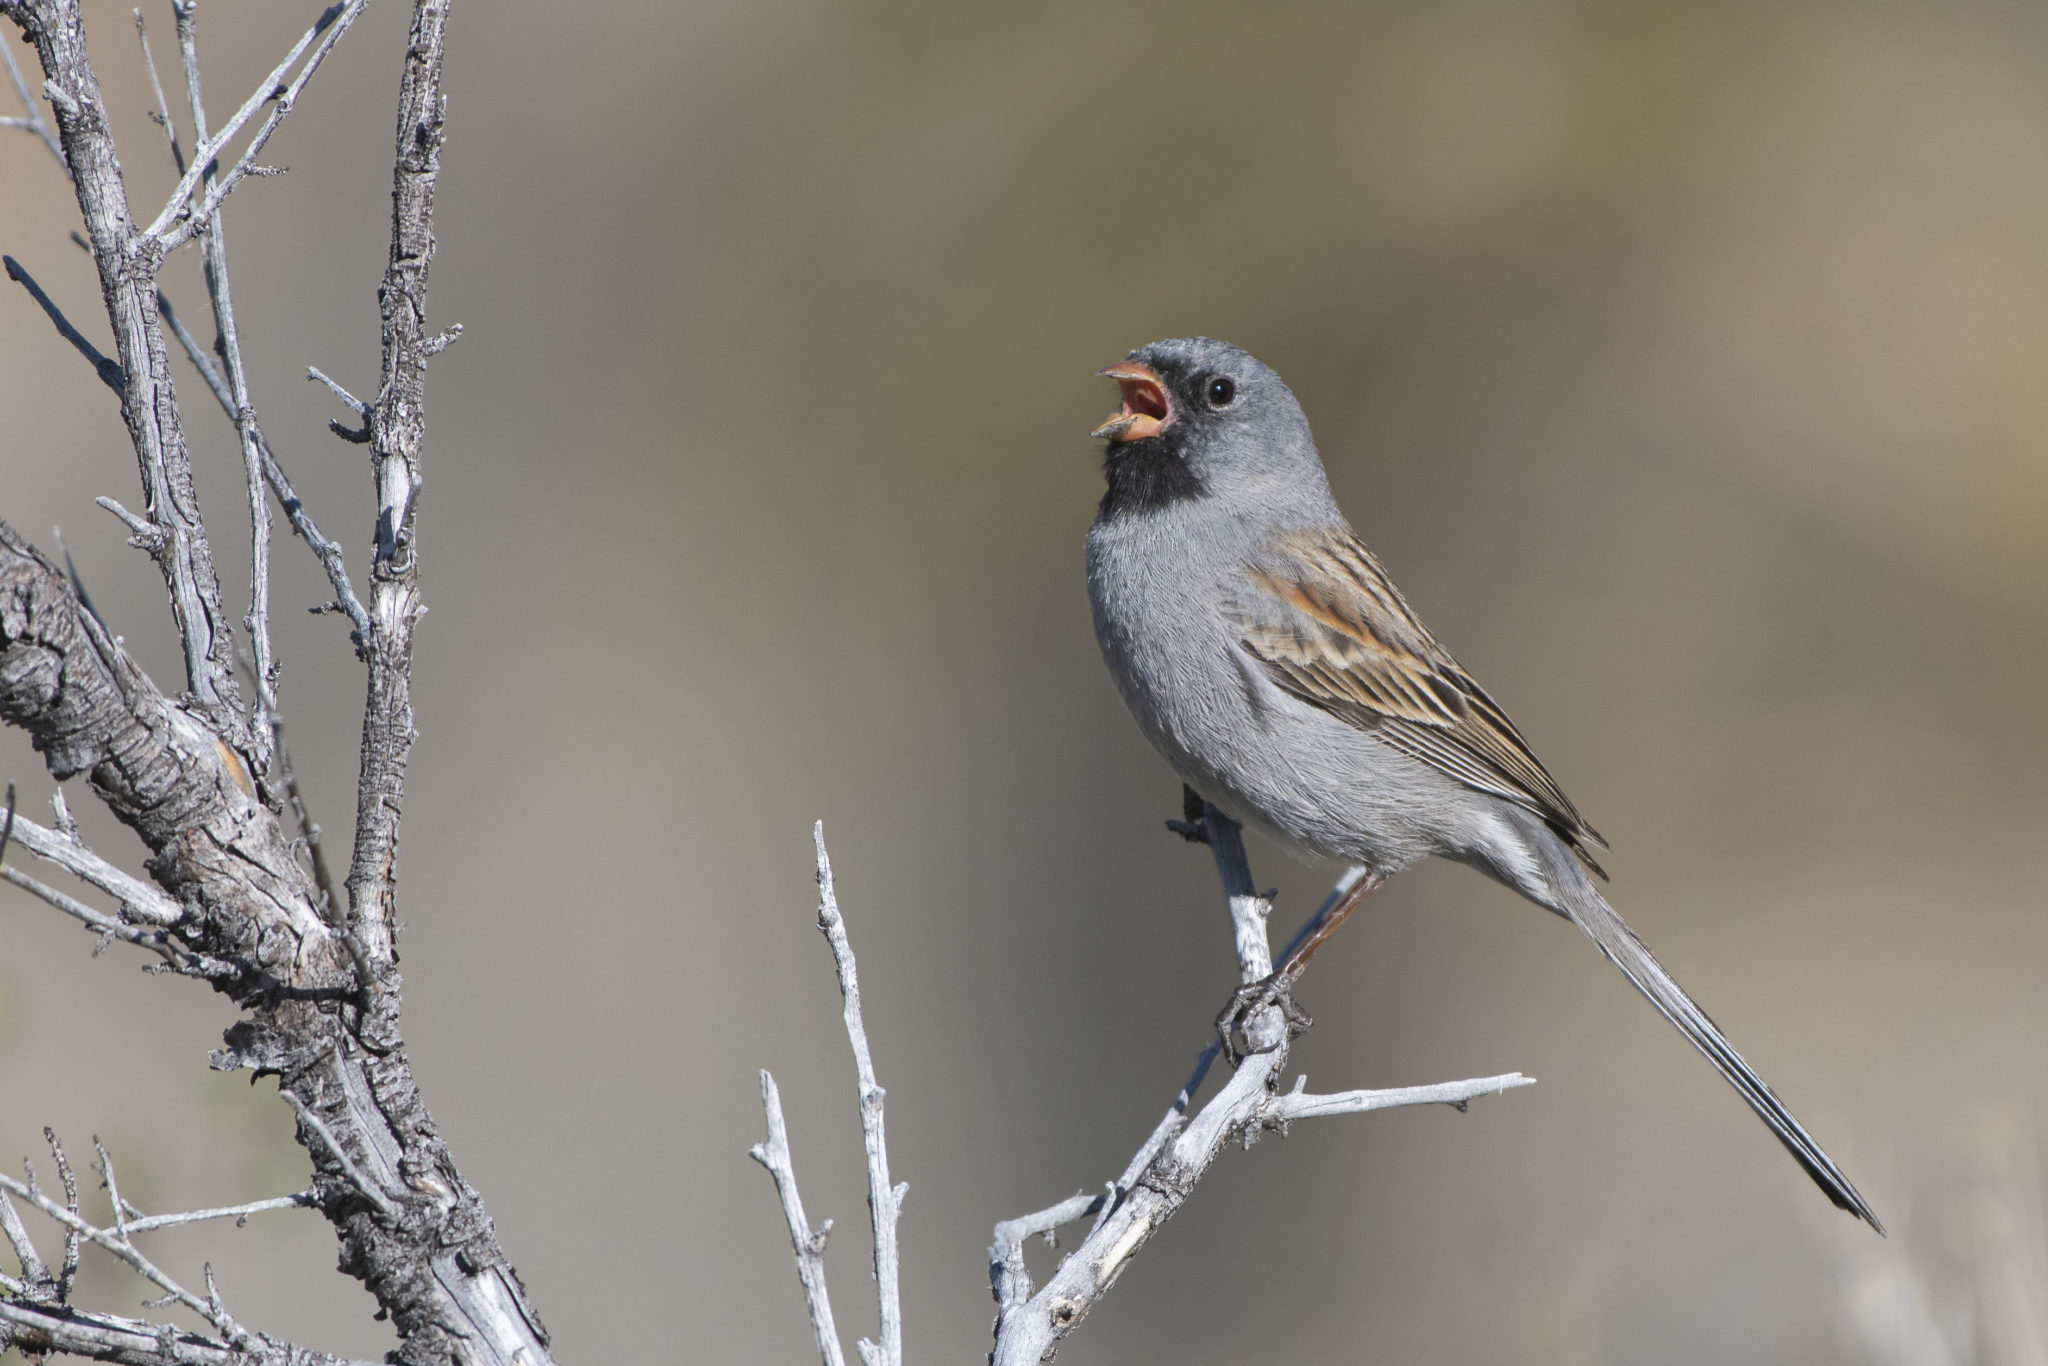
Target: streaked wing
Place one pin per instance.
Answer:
(1321, 615)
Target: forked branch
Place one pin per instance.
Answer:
(1130, 1210)
(885, 1201)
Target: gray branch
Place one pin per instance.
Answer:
(32, 121)
(127, 264)
(885, 1201)
(139, 900)
(1129, 1211)
(213, 245)
(333, 1145)
(326, 551)
(108, 929)
(807, 1247)
(37, 1328)
(117, 1243)
(144, 1223)
(327, 29)
(185, 773)
(1030, 1327)
(109, 371)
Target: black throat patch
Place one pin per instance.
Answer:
(1146, 476)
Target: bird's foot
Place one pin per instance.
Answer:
(1238, 1022)
(1193, 826)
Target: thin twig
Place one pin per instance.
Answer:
(359, 436)
(308, 830)
(38, 1328)
(362, 409)
(397, 463)
(238, 1213)
(331, 24)
(234, 395)
(885, 1201)
(143, 534)
(32, 1269)
(77, 1228)
(108, 370)
(326, 551)
(1299, 1104)
(349, 1168)
(161, 115)
(181, 959)
(1173, 1158)
(67, 1277)
(139, 900)
(808, 1247)
(113, 1189)
(34, 121)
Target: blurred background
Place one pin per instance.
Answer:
(1685, 363)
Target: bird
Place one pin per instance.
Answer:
(1265, 653)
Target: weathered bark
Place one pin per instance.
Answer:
(189, 775)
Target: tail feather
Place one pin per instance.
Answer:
(1582, 902)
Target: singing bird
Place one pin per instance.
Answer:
(1267, 656)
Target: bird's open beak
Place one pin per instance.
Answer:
(1146, 407)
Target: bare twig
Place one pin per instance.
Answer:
(808, 1247)
(359, 436)
(38, 1329)
(127, 267)
(32, 1269)
(117, 1243)
(139, 900)
(113, 1189)
(67, 1277)
(109, 371)
(36, 1319)
(239, 1213)
(234, 396)
(1159, 1180)
(157, 941)
(1299, 1104)
(361, 409)
(161, 114)
(143, 534)
(398, 424)
(885, 1201)
(33, 121)
(328, 28)
(326, 551)
(172, 767)
(362, 1183)
(309, 830)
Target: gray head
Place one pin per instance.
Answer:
(1202, 419)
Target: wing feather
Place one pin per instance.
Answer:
(1326, 622)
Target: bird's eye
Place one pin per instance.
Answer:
(1222, 390)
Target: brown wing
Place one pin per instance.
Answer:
(1322, 616)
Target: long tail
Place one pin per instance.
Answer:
(1582, 902)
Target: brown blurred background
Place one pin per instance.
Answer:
(1688, 365)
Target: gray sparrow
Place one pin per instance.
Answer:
(1267, 656)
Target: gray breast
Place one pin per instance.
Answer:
(1270, 760)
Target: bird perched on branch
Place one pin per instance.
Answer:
(1266, 654)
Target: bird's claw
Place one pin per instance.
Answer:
(1193, 826)
(1234, 1023)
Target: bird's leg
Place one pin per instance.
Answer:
(1277, 989)
(1193, 825)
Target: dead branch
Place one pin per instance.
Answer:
(193, 775)
(1130, 1210)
